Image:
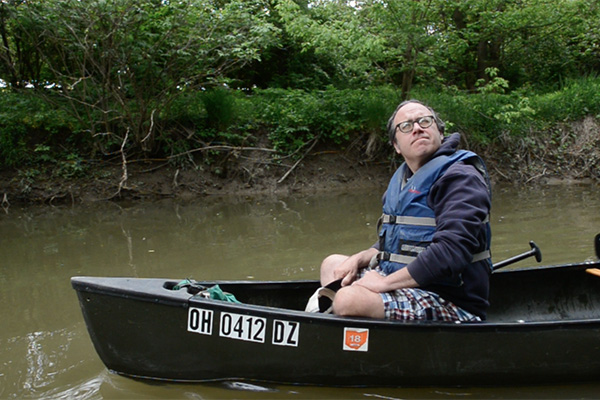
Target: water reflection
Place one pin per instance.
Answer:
(45, 351)
(562, 220)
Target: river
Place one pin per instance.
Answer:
(45, 350)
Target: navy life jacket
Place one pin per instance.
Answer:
(407, 225)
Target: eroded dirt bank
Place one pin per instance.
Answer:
(328, 171)
(568, 153)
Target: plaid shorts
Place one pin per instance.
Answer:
(412, 304)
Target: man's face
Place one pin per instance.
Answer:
(418, 145)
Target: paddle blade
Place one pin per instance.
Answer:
(593, 271)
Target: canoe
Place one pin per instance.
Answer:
(543, 326)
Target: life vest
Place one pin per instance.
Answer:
(407, 225)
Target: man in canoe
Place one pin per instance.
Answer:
(432, 260)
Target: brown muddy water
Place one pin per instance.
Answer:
(45, 350)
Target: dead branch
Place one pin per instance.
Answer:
(151, 126)
(299, 160)
(123, 183)
(222, 147)
(5, 203)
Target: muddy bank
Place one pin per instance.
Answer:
(322, 171)
(569, 153)
(155, 180)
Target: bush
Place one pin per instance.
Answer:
(219, 104)
(295, 117)
(26, 121)
(484, 117)
(288, 120)
(576, 99)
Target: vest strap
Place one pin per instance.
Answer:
(482, 256)
(419, 221)
(403, 259)
(385, 256)
(406, 220)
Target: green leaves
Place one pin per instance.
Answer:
(154, 69)
(121, 62)
(336, 29)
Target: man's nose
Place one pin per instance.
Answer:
(417, 128)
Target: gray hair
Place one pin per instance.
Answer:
(391, 128)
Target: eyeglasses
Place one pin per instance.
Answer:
(407, 126)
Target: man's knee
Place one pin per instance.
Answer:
(328, 266)
(343, 303)
(358, 301)
(332, 261)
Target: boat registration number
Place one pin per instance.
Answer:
(243, 327)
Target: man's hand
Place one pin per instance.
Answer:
(350, 267)
(377, 283)
(347, 270)
(373, 281)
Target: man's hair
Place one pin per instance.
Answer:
(391, 128)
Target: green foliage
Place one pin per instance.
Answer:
(290, 120)
(28, 124)
(375, 107)
(119, 63)
(332, 70)
(576, 99)
(485, 117)
(296, 117)
(335, 28)
(495, 84)
(13, 133)
(290, 115)
(219, 104)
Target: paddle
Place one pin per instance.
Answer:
(595, 271)
(535, 251)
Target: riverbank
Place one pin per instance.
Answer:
(569, 153)
(151, 180)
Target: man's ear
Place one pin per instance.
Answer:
(397, 147)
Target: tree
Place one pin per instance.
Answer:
(525, 40)
(118, 64)
(408, 31)
(19, 62)
(335, 29)
(371, 40)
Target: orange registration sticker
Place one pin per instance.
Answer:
(356, 339)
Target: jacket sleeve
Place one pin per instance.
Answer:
(461, 202)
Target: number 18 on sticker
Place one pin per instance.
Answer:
(356, 339)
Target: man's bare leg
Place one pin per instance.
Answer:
(358, 301)
(328, 266)
(351, 300)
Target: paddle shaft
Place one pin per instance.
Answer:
(535, 251)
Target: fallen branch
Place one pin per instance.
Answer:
(299, 160)
(175, 183)
(124, 177)
(222, 147)
(151, 126)
(5, 203)
(536, 176)
(501, 174)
